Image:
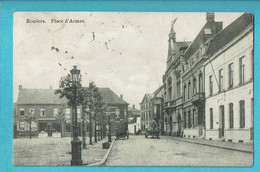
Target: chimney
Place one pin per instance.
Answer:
(20, 87)
(210, 16)
(121, 96)
(50, 87)
(133, 106)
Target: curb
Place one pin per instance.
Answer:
(240, 150)
(103, 161)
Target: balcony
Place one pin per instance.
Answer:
(198, 99)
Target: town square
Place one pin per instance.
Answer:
(133, 89)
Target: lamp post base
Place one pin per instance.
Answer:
(76, 152)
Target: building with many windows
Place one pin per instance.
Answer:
(152, 109)
(50, 115)
(229, 83)
(172, 81)
(193, 107)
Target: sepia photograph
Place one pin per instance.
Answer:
(133, 89)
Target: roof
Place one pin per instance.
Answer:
(149, 96)
(178, 46)
(47, 96)
(109, 97)
(213, 27)
(39, 96)
(158, 92)
(133, 112)
(230, 32)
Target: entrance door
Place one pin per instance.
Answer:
(49, 129)
(179, 125)
(222, 121)
(170, 121)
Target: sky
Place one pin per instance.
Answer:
(125, 51)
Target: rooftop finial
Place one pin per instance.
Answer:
(173, 22)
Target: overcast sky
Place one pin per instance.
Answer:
(128, 54)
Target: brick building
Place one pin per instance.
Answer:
(52, 116)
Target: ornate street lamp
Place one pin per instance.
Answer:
(76, 142)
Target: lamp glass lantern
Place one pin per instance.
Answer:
(75, 74)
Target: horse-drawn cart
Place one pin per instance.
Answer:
(122, 130)
(152, 130)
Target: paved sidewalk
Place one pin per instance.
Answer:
(242, 147)
(53, 151)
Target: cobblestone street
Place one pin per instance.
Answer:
(138, 151)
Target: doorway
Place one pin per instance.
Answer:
(221, 121)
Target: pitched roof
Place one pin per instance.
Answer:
(110, 97)
(47, 96)
(230, 32)
(214, 28)
(39, 96)
(149, 96)
(158, 92)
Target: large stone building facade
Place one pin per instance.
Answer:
(193, 79)
(172, 81)
(208, 84)
(229, 83)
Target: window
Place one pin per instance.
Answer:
(22, 126)
(210, 85)
(200, 83)
(117, 113)
(193, 118)
(184, 93)
(67, 111)
(179, 88)
(194, 86)
(34, 126)
(155, 109)
(42, 111)
(165, 119)
(252, 62)
(221, 80)
(125, 112)
(184, 120)
(231, 115)
(55, 112)
(230, 75)
(189, 119)
(22, 111)
(169, 88)
(242, 70)
(211, 118)
(31, 111)
(189, 90)
(242, 113)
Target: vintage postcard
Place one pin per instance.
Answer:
(133, 89)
